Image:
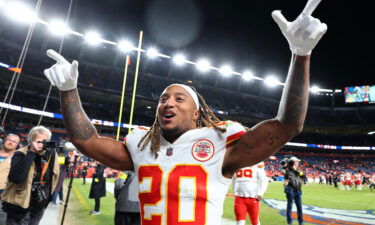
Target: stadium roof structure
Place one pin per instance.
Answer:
(240, 32)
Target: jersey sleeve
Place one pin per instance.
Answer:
(263, 180)
(234, 131)
(132, 139)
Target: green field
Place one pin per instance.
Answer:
(314, 194)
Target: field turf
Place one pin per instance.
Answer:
(313, 194)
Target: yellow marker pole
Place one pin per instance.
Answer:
(135, 80)
(122, 97)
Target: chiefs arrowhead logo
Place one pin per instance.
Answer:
(203, 150)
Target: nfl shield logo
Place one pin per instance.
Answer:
(169, 151)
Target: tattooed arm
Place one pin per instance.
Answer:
(64, 75)
(85, 137)
(267, 137)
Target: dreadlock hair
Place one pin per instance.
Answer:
(206, 119)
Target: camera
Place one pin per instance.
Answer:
(49, 146)
(38, 192)
(285, 161)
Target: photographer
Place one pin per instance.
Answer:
(292, 187)
(32, 178)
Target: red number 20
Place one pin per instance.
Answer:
(153, 196)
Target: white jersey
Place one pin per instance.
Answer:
(358, 176)
(185, 182)
(348, 176)
(342, 177)
(250, 181)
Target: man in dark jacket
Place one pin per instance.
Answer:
(33, 175)
(127, 202)
(292, 185)
(97, 189)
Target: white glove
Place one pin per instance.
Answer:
(63, 75)
(303, 33)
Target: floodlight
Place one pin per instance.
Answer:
(226, 70)
(247, 75)
(93, 38)
(271, 81)
(203, 65)
(314, 89)
(179, 59)
(20, 12)
(58, 28)
(152, 52)
(125, 46)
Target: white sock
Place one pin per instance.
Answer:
(241, 222)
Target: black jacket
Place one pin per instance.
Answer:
(19, 171)
(294, 178)
(97, 189)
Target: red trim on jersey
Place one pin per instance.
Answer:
(234, 137)
(221, 123)
(143, 128)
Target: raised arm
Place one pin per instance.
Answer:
(82, 133)
(267, 137)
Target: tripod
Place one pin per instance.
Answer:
(69, 187)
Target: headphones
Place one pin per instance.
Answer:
(5, 139)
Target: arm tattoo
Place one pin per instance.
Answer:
(75, 119)
(249, 149)
(293, 104)
(272, 139)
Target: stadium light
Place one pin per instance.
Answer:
(247, 75)
(271, 81)
(152, 52)
(179, 59)
(125, 46)
(93, 38)
(58, 28)
(20, 12)
(203, 65)
(226, 70)
(314, 89)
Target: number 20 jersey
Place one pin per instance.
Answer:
(184, 184)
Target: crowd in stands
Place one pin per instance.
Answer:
(108, 79)
(314, 163)
(319, 168)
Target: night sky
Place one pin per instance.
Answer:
(241, 33)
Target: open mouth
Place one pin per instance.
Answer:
(168, 116)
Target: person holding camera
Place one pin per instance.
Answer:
(292, 187)
(33, 174)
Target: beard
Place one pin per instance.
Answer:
(171, 134)
(8, 148)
